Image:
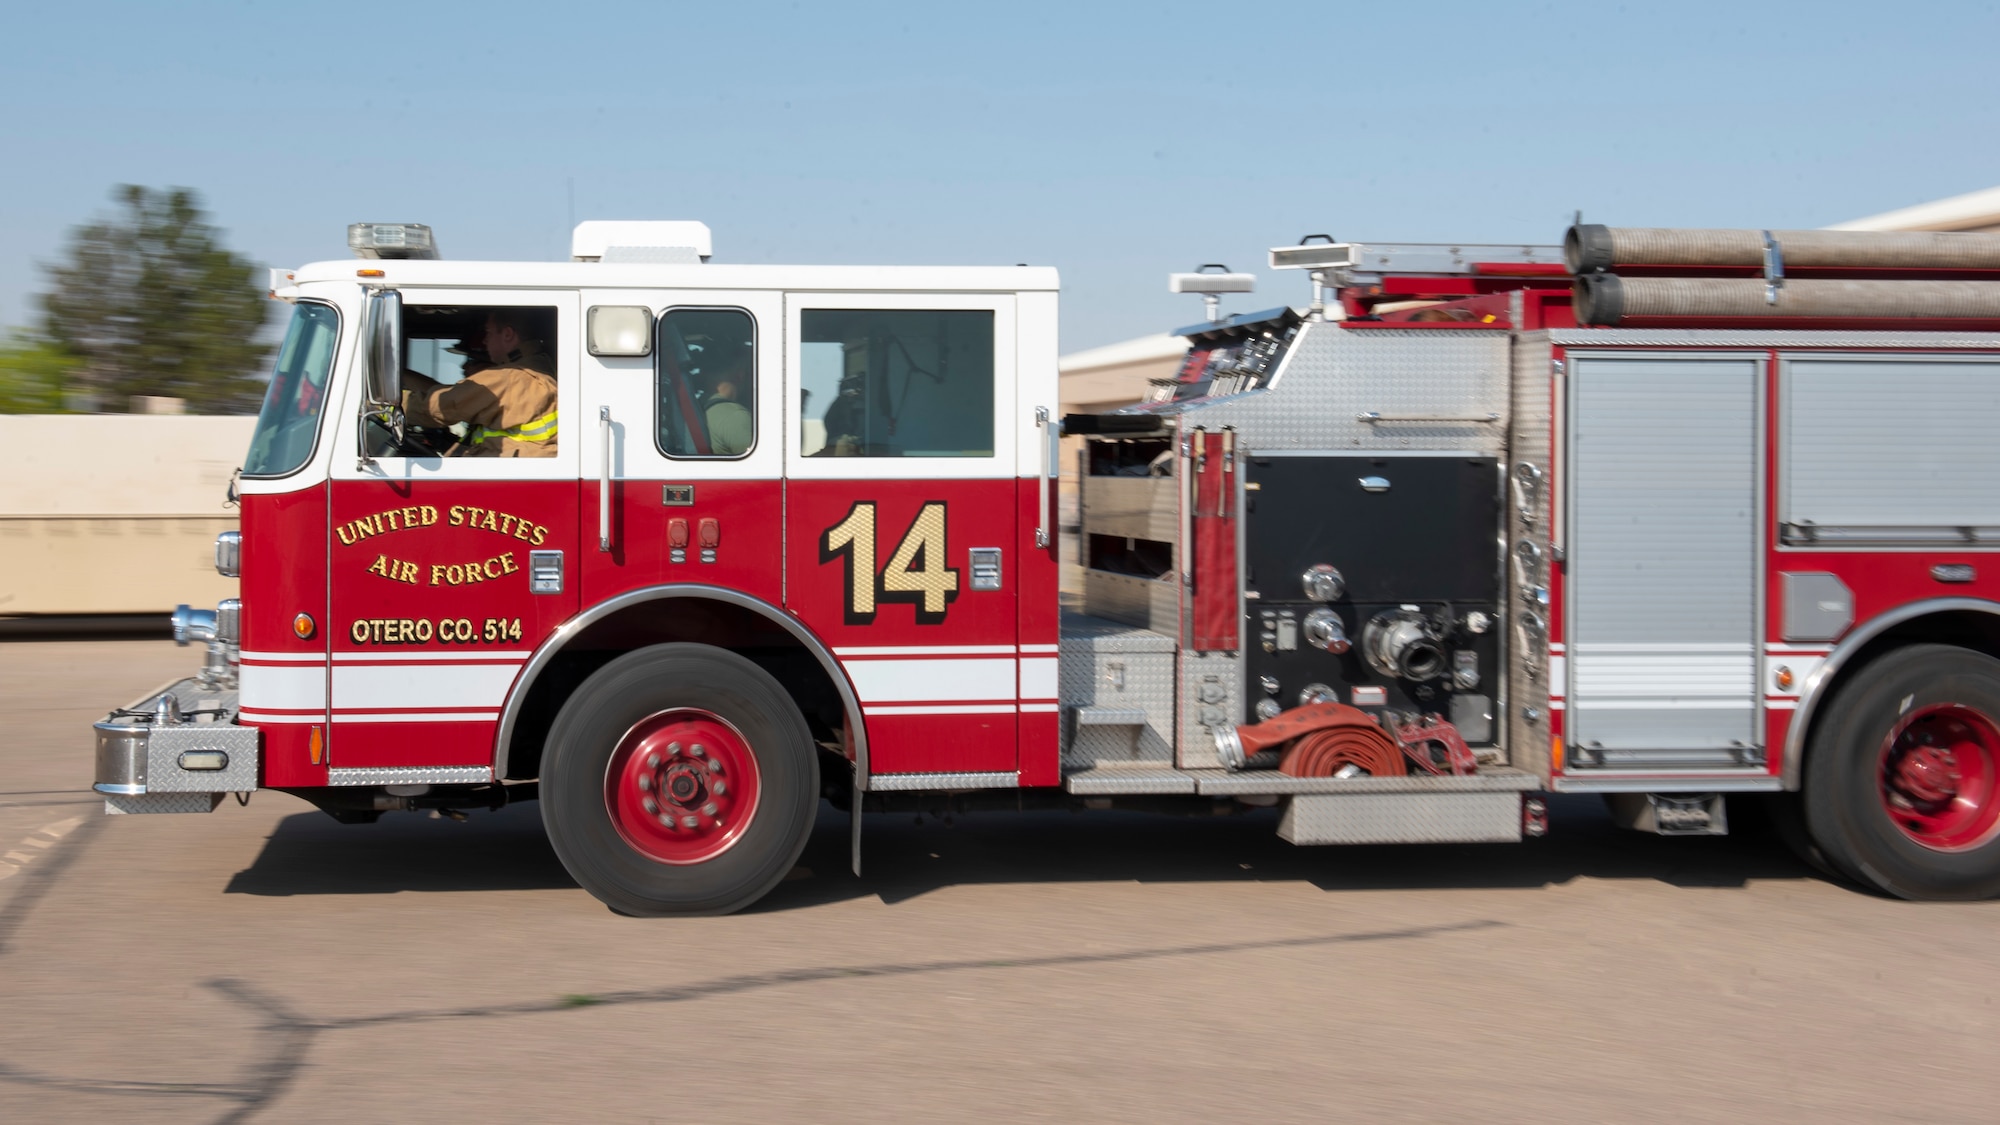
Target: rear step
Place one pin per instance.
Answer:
(1494, 805)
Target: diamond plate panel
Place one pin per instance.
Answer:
(1332, 374)
(165, 745)
(1211, 696)
(886, 781)
(1527, 684)
(1402, 818)
(1110, 666)
(411, 775)
(162, 803)
(1110, 780)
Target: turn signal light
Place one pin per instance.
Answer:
(1783, 678)
(370, 273)
(303, 627)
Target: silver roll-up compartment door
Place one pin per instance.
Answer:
(1662, 590)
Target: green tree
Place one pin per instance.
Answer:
(32, 374)
(151, 303)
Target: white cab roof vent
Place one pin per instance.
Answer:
(660, 243)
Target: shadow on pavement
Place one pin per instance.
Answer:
(310, 854)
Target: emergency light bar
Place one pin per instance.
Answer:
(1435, 259)
(391, 240)
(1211, 283)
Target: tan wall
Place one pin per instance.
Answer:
(115, 513)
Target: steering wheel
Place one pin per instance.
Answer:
(417, 442)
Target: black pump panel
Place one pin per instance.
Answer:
(1418, 528)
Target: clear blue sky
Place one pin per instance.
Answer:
(1115, 142)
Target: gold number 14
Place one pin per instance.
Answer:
(916, 572)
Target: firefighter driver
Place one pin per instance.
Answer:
(509, 405)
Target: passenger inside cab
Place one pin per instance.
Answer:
(503, 403)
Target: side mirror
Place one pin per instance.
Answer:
(385, 349)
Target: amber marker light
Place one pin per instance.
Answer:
(1556, 753)
(303, 627)
(369, 273)
(1783, 678)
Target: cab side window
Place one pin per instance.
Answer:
(509, 412)
(896, 383)
(706, 383)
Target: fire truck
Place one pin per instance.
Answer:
(1677, 517)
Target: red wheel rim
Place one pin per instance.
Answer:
(682, 786)
(1940, 766)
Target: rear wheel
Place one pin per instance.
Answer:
(1902, 785)
(679, 779)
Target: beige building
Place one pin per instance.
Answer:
(1973, 211)
(115, 513)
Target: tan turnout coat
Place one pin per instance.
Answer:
(511, 407)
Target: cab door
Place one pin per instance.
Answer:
(681, 455)
(901, 520)
(447, 572)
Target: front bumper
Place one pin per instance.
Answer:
(176, 750)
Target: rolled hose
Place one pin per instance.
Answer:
(1324, 737)
(1593, 247)
(1607, 299)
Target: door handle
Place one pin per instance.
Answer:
(604, 479)
(1049, 428)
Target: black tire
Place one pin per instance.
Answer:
(1787, 815)
(590, 727)
(1845, 810)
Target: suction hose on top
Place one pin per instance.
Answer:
(1593, 248)
(1608, 299)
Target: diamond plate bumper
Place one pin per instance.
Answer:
(143, 766)
(1403, 818)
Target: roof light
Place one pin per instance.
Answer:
(391, 240)
(1205, 283)
(1211, 286)
(658, 243)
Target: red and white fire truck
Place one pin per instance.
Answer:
(1668, 516)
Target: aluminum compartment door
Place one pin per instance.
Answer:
(1662, 571)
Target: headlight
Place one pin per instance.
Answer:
(229, 554)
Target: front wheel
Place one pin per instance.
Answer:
(679, 779)
(1902, 785)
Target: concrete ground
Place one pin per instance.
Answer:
(265, 963)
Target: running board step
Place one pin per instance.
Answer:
(1110, 716)
(1116, 780)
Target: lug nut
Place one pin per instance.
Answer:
(709, 808)
(673, 747)
(721, 790)
(697, 750)
(645, 782)
(666, 820)
(689, 822)
(652, 806)
(652, 761)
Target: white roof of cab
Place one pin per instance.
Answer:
(601, 275)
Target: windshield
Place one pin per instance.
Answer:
(290, 418)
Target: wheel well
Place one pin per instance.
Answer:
(691, 619)
(1972, 629)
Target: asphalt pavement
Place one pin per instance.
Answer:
(263, 963)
